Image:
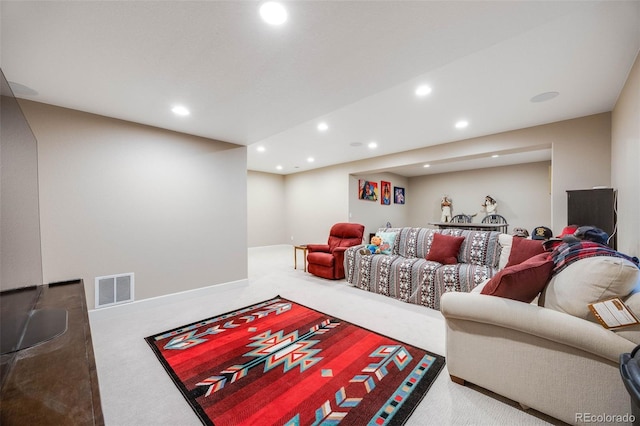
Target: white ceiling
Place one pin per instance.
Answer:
(353, 64)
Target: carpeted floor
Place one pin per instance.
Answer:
(135, 389)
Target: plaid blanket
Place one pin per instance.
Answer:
(567, 253)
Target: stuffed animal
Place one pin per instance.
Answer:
(375, 247)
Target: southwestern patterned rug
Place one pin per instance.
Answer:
(278, 362)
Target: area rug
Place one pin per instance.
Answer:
(278, 362)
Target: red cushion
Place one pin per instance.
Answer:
(522, 282)
(523, 249)
(444, 249)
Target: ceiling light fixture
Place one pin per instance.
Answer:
(546, 96)
(310, 160)
(261, 149)
(423, 90)
(372, 145)
(273, 13)
(180, 110)
(462, 124)
(279, 167)
(495, 156)
(427, 166)
(323, 126)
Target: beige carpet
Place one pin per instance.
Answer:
(136, 391)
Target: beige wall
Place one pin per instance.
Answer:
(522, 192)
(372, 214)
(118, 197)
(625, 153)
(315, 200)
(265, 215)
(580, 159)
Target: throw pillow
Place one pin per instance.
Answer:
(444, 249)
(523, 281)
(505, 241)
(523, 249)
(388, 240)
(589, 280)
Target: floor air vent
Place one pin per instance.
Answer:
(114, 289)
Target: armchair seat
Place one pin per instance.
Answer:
(321, 259)
(327, 260)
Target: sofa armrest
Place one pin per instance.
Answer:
(318, 247)
(537, 321)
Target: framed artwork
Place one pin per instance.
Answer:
(385, 191)
(398, 195)
(367, 190)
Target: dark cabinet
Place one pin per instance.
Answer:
(595, 207)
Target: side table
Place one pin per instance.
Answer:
(295, 256)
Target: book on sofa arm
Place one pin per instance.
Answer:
(613, 313)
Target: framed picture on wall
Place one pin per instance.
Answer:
(367, 190)
(385, 191)
(398, 195)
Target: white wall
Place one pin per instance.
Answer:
(625, 153)
(118, 197)
(522, 192)
(265, 216)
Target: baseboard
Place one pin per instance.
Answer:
(167, 299)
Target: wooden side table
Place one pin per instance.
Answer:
(295, 256)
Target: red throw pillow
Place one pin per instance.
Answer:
(523, 249)
(521, 282)
(444, 249)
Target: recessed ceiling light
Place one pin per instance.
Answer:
(261, 149)
(273, 13)
(462, 124)
(180, 110)
(426, 166)
(310, 160)
(323, 126)
(423, 90)
(546, 96)
(495, 156)
(372, 145)
(279, 167)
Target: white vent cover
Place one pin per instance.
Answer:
(114, 289)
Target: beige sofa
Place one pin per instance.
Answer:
(555, 359)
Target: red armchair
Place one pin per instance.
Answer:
(327, 260)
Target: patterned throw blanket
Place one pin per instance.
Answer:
(567, 253)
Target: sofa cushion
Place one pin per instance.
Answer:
(444, 249)
(523, 281)
(388, 241)
(523, 249)
(631, 332)
(589, 280)
(480, 248)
